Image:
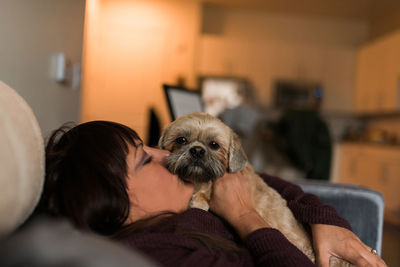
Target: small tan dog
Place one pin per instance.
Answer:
(203, 148)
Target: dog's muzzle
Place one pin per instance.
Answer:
(195, 165)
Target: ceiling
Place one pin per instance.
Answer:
(351, 9)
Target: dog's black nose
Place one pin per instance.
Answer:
(197, 152)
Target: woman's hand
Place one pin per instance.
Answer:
(329, 240)
(231, 198)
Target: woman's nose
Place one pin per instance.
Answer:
(157, 154)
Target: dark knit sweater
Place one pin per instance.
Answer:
(167, 244)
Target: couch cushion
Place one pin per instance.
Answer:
(21, 160)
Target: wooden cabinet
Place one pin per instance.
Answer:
(377, 76)
(373, 166)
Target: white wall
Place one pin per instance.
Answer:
(265, 47)
(30, 32)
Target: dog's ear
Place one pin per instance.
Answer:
(237, 157)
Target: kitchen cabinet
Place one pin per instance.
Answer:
(373, 166)
(377, 76)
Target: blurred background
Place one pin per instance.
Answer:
(312, 87)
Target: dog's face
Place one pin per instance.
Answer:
(202, 148)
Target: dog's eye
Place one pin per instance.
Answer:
(214, 145)
(181, 140)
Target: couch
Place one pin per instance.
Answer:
(49, 243)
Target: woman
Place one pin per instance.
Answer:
(101, 176)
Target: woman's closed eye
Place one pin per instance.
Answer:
(148, 160)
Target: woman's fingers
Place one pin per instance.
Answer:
(231, 198)
(371, 258)
(360, 254)
(231, 195)
(342, 244)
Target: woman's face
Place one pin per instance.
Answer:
(151, 187)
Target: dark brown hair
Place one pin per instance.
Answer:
(85, 175)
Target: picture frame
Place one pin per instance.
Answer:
(182, 101)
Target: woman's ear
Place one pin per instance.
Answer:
(237, 158)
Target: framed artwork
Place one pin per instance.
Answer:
(182, 101)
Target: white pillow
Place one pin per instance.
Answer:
(21, 160)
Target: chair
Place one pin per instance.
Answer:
(362, 207)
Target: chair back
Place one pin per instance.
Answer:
(363, 208)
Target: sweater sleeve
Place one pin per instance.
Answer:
(269, 247)
(306, 207)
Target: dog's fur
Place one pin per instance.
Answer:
(211, 162)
